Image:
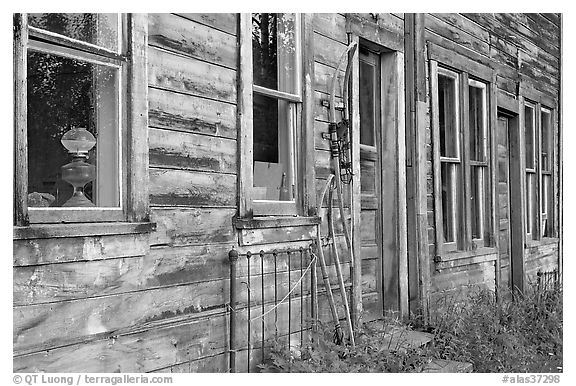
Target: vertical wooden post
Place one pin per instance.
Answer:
(416, 186)
(402, 235)
(233, 258)
(137, 189)
(493, 151)
(20, 121)
(307, 166)
(244, 114)
(355, 206)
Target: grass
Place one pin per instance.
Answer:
(520, 333)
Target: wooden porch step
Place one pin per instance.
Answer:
(446, 366)
(400, 338)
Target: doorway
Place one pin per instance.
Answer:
(509, 210)
(379, 180)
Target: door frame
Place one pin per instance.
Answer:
(393, 116)
(510, 108)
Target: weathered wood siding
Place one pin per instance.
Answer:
(524, 51)
(157, 302)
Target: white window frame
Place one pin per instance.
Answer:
(249, 206)
(547, 195)
(464, 244)
(456, 166)
(131, 61)
(530, 175)
(483, 188)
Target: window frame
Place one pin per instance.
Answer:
(302, 205)
(133, 115)
(531, 209)
(469, 73)
(538, 174)
(548, 198)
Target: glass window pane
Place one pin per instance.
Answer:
(477, 117)
(448, 116)
(97, 28)
(64, 94)
(274, 58)
(529, 136)
(449, 176)
(477, 201)
(273, 141)
(547, 202)
(547, 142)
(367, 103)
(530, 204)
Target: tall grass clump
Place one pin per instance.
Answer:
(514, 333)
(373, 353)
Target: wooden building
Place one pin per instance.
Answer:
(455, 152)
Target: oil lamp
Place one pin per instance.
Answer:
(78, 141)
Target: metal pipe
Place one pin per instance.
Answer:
(233, 258)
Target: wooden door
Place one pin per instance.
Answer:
(378, 185)
(510, 210)
(503, 194)
(370, 184)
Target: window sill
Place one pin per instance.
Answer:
(44, 231)
(274, 222)
(456, 255)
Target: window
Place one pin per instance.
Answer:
(547, 162)
(530, 170)
(276, 103)
(462, 160)
(450, 162)
(478, 135)
(78, 71)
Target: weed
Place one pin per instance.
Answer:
(514, 333)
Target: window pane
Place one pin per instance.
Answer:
(547, 202)
(529, 136)
(530, 205)
(448, 117)
(477, 201)
(273, 138)
(367, 103)
(477, 116)
(547, 142)
(64, 94)
(97, 28)
(449, 176)
(274, 58)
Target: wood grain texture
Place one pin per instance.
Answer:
(190, 76)
(192, 152)
(222, 21)
(188, 113)
(169, 187)
(244, 117)
(61, 250)
(187, 37)
(192, 226)
(327, 51)
(80, 279)
(332, 25)
(20, 216)
(137, 171)
(387, 34)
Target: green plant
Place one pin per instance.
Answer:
(371, 354)
(514, 333)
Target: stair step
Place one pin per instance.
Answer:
(400, 338)
(446, 366)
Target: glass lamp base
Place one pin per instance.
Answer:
(78, 199)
